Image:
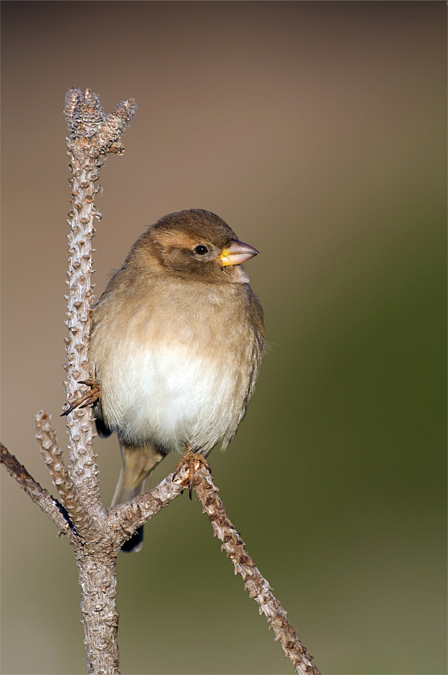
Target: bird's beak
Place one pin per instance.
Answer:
(237, 253)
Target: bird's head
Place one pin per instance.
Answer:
(198, 244)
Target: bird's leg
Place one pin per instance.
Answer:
(86, 399)
(192, 460)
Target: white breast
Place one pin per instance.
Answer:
(170, 395)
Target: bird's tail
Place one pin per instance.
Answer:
(138, 465)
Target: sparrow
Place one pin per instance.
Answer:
(176, 342)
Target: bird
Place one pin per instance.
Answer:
(176, 341)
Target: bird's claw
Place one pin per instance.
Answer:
(192, 461)
(87, 399)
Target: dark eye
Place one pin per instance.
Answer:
(200, 249)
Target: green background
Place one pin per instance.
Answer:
(317, 131)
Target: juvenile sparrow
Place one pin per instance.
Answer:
(175, 345)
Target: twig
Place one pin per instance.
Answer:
(59, 473)
(50, 506)
(125, 519)
(258, 587)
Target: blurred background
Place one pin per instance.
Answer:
(317, 131)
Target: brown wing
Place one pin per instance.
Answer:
(256, 319)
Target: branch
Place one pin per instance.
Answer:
(235, 548)
(92, 136)
(59, 473)
(50, 506)
(125, 519)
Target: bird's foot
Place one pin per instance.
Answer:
(86, 399)
(192, 461)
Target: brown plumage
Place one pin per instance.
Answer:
(176, 341)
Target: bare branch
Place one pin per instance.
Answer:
(92, 135)
(126, 518)
(52, 453)
(90, 127)
(97, 578)
(59, 473)
(254, 582)
(50, 506)
(115, 125)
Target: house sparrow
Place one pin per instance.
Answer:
(175, 345)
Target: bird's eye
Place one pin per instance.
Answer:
(200, 249)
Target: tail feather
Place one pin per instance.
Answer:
(124, 494)
(138, 465)
(135, 543)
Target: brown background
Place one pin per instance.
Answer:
(317, 131)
